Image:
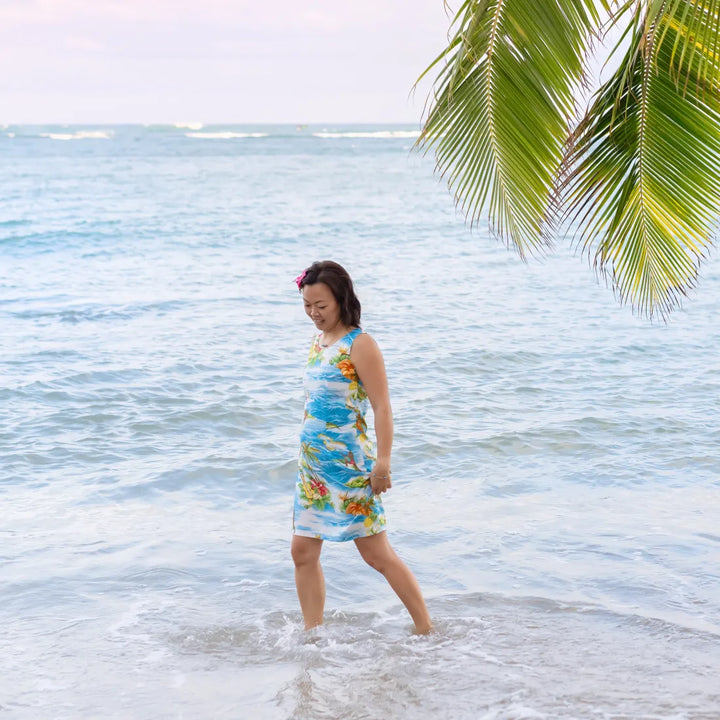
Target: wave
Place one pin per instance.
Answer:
(189, 125)
(370, 134)
(80, 135)
(224, 135)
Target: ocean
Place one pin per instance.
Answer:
(556, 471)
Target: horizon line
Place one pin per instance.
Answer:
(188, 123)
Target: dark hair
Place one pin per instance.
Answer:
(337, 279)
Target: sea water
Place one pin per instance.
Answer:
(556, 470)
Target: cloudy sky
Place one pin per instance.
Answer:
(243, 61)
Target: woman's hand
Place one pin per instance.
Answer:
(380, 481)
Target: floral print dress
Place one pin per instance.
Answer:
(333, 498)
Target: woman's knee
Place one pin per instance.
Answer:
(376, 551)
(305, 551)
(376, 561)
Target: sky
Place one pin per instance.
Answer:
(239, 61)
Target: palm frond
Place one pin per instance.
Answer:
(643, 183)
(500, 115)
(693, 28)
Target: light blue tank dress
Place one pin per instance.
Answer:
(333, 498)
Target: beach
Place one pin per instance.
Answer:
(555, 471)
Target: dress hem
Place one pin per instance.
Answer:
(321, 536)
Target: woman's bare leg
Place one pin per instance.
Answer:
(377, 552)
(309, 579)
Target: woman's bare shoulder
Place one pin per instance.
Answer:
(364, 346)
(364, 341)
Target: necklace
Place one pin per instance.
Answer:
(324, 344)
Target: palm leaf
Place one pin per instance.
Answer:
(502, 103)
(643, 183)
(694, 30)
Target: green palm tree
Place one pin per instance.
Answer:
(634, 176)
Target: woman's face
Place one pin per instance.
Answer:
(321, 306)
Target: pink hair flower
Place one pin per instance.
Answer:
(300, 278)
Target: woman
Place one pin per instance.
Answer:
(339, 479)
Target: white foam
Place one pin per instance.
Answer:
(189, 125)
(224, 135)
(375, 134)
(80, 135)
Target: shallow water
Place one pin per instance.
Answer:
(555, 465)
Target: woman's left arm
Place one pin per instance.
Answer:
(370, 367)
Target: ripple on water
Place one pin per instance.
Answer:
(547, 444)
